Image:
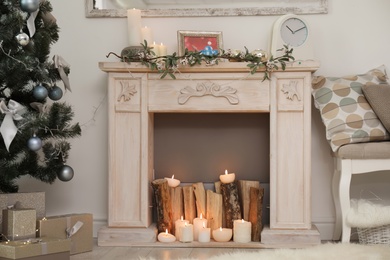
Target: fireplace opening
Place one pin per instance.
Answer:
(198, 147)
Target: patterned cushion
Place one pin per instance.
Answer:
(379, 98)
(345, 112)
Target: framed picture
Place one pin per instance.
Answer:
(206, 42)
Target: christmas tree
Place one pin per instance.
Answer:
(34, 123)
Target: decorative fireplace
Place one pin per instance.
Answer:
(136, 94)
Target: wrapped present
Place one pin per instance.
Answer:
(19, 223)
(30, 200)
(76, 227)
(36, 249)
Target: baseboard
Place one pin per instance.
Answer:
(97, 224)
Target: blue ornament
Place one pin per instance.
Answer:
(34, 143)
(29, 5)
(40, 92)
(66, 173)
(55, 93)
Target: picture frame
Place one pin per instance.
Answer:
(198, 41)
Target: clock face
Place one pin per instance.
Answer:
(294, 32)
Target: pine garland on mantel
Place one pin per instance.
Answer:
(168, 64)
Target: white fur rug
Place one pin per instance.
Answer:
(329, 251)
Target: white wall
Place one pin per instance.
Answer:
(352, 38)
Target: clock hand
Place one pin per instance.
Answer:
(299, 29)
(289, 29)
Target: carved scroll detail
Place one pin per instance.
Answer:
(208, 89)
(291, 90)
(127, 91)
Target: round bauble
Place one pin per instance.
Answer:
(29, 5)
(55, 93)
(22, 38)
(40, 92)
(34, 143)
(66, 173)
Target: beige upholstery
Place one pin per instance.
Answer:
(354, 159)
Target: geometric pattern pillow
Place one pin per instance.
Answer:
(345, 112)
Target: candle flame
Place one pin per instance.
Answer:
(200, 215)
(220, 228)
(185, 223)
(203, 225)
(181, 218)
(173, 176)
(226, 172)
(242, 221)
(161, 44)
(166, 231)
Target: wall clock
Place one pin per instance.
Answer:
(294, 31)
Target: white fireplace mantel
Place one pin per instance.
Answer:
(136, 93)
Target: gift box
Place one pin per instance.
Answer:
(28, 200)
(19, 223)
(76, 227)
(36, 249)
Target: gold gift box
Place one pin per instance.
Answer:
(29, 200)
(56, 226)
(19, 223)
(37, 248)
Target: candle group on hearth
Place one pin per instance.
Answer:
(172, 182)
(165, 237)
(198, 225)
(242, 231)
(222, 234)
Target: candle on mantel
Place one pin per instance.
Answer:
(186, 233)
(227, 177)
(178, 225)
(172, 182)
(165, 237)
(222, 234)
(204, 234)
(155, 49)
(242, 231)
(146, 33)
(198, 225)
(134, 27)
(162, 50)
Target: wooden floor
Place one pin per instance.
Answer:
(122, 253)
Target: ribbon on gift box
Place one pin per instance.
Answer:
(73, 230)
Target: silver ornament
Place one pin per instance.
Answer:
(66, 173)
(40, 92)
(55, 93)
(34, 143)
(29, 5)
(22, 38)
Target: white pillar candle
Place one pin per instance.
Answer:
(178, 225)
(204, 234)
(155, 49)
(198, 225)
(242, 231)
(134, 27)
(187, 233)
(172, 182)
(146, 33)
(165, 237)
(227, 177)
(162, 50)
(222, 234)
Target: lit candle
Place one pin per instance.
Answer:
(242, 231)
(222, 234)
(198, 225)
(172, 182)
(227, 177)
(178, 225)
(186, 233)
(165, 237)
(162, 50)
(204, 234)
(134, 26)
(147, 35)
(155, 49)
